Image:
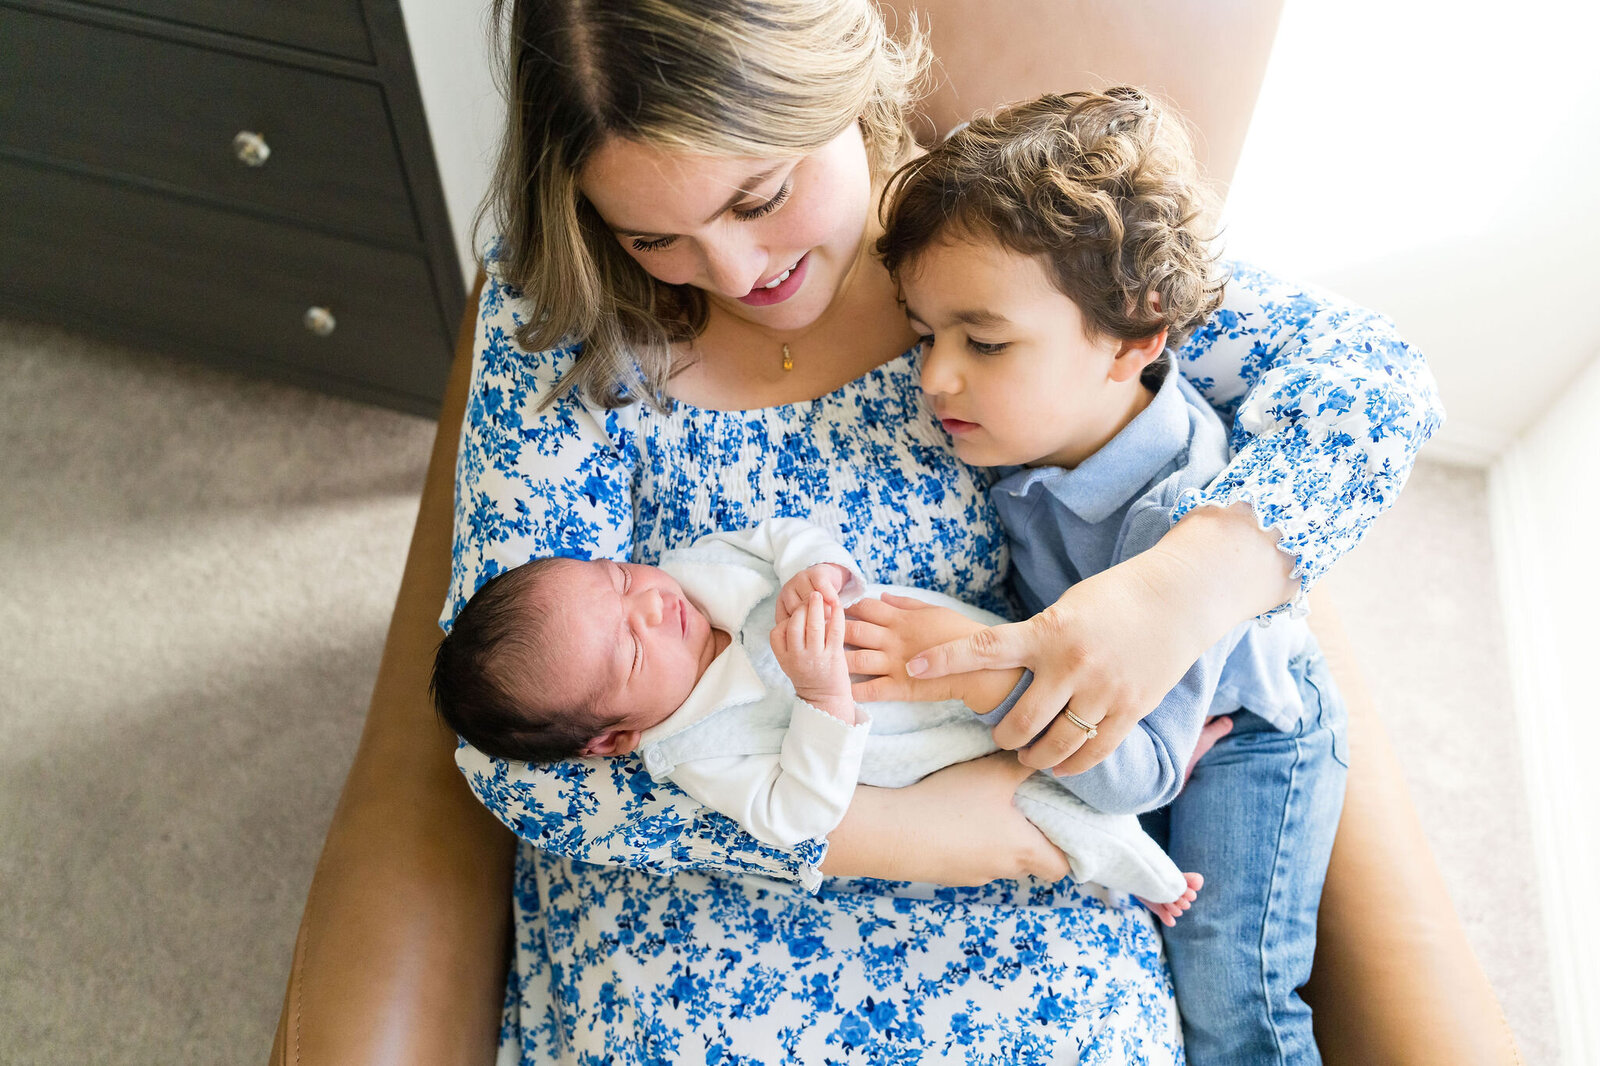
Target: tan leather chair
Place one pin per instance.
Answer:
(401, 955)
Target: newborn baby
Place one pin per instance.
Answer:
(725, 668)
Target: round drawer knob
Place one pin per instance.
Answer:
(319, 320)
(251, 148)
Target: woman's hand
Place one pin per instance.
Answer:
(887, 632)
(1113, 645)
(954, 827)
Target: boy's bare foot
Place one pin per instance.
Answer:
(1169, 913)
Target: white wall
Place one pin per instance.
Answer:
(450, 47)
(1545, 504)
(1441, 163)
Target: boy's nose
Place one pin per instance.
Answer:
(939, 376)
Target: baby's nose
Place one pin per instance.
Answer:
(653, 607)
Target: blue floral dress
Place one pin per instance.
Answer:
(649, 929)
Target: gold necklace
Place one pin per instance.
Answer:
(788, 360)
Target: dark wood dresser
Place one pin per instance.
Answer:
(249, 182)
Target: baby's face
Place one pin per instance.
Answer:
(636, 641)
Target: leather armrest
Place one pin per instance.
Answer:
(402, 950)
(1394, 980)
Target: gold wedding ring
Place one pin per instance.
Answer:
(1090, 732)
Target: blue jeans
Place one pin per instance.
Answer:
(1257, 819)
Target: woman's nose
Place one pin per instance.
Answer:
(734, 267)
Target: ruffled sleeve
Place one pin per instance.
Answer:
(1328, 406)
(560, 481)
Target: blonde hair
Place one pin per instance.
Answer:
(1102, 186)
(711, 77)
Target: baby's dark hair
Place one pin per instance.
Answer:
(495, 661)
(1102, 186)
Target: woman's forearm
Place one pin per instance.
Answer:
(954, 827)
(1217, 567)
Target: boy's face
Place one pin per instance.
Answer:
(1006, 364)
(636, 643)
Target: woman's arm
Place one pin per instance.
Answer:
(954, 827)
(1329, 409)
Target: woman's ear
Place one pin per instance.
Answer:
(612, 742)
(1133, 356)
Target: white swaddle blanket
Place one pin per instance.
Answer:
(744, 745)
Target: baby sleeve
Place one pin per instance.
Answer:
(559, 481)
(1328, 406)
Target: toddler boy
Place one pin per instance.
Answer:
(1051, 255)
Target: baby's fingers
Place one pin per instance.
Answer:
(835, 633)
(795, 629)
(816, 623)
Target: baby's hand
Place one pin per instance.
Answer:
(889, 632)
(809, 644)
(826, 578)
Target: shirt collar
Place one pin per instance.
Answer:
(1120, 470)
(730, 680)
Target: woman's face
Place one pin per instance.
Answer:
(769, 240)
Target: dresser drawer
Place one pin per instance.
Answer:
(169, 113)
(332, 26)
(234, 286)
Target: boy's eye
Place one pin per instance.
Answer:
(986, 349)
(925, 338)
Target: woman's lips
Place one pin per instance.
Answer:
(759, 297)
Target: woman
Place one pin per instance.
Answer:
(683, 331)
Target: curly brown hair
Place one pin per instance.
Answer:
(1102, 186)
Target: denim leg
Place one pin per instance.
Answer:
(1257, 819)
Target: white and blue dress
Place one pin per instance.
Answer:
(650, 929)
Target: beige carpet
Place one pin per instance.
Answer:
(196, 571)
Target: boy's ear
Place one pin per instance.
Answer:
(612, 742)
(1133, 356)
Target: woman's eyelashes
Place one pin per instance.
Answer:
(777, 201)
(743, 214)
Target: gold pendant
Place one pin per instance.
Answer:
(788, 363)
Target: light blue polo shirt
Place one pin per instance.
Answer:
(1067, 525)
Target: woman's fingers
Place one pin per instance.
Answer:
(1032, 715)
(996, 648)
(1109, 732)
(904, 603)
(1060, 739)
